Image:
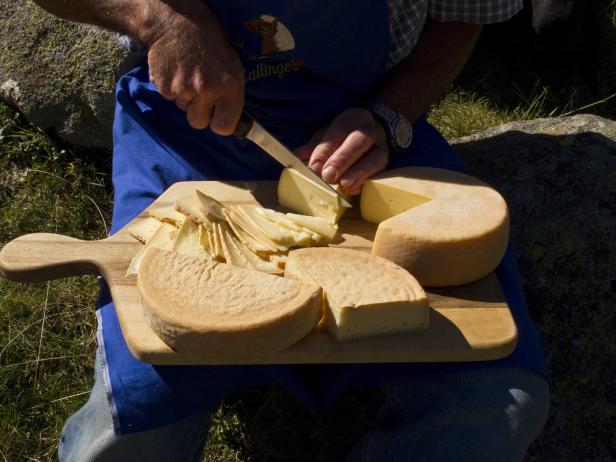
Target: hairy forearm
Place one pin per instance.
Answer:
(142, 19)
(418, 81)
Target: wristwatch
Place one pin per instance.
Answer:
(397, 127)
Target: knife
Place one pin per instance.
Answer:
(249, 128)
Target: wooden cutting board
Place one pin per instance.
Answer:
(467, 323)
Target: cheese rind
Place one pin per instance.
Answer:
(365, 295)
(303, 195)
(193, 303)
(456, 237)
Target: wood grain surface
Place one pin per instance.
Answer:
(467, 323)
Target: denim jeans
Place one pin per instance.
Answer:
(486, 414)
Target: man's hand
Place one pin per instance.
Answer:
(192, 63)
(190, 58)
(349, 151)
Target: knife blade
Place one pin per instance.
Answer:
(249, 128)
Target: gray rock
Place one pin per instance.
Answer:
(59, 74)
(559, 179)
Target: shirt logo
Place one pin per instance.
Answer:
(275, 37)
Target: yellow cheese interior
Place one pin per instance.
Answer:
(381, 201)
(302, 195)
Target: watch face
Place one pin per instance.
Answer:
(404, 133)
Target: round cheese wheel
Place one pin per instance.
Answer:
(445, 227)
(193, 302)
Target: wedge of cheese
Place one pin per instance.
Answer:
(303, 195)
(365, 295)
(193, 303)
(143, 229)
(445, 227)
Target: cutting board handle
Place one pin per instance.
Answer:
(42, 256)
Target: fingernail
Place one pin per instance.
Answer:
(329, 173)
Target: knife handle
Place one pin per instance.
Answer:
(243, 126)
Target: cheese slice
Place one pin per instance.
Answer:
(257, 247)
(233, 255)
(445, 227)
(279, 234)
(143, 229)
(212, 209)
(281, 220)
(188, 206)
(215, 242)
(365, 295)
(163, 238)
(255, 260)
(193, 303)
(188, 241)
(203, 240)
(248, 225)
(317, 224)
(167, 214)
(303, 195)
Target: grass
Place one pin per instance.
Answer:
(47, 330)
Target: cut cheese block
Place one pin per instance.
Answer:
(365, 295)
(445, 227)
(144, 229)
(163, 238)
(303, 195)
(193, 303)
